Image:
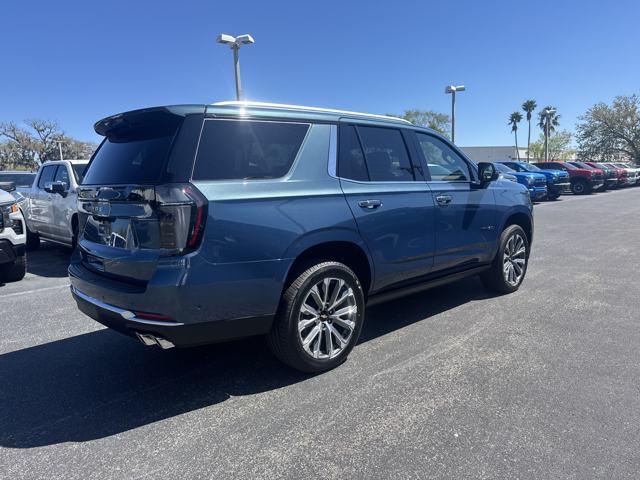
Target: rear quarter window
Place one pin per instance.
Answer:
(247, 149)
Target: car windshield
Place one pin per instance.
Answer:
(503, 168)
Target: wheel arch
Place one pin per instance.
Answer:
(350, 251)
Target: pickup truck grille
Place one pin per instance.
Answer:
(599, 177)
(540, 182)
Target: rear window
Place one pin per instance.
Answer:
(135, 150)
(239, 149)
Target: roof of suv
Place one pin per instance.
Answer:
(328, 113)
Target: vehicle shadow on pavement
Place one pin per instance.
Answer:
(50, 260)
(100, 384)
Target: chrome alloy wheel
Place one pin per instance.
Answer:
(327, 318)
(514, 260)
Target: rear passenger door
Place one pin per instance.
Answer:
(465, 214)
(390, 200)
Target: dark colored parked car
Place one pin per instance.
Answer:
(611, 175)
(557, 180)
(205, 223)
(534, 182)
(600, 173)
(583, 181)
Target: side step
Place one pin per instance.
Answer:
(149, 340)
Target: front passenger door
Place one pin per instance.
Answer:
(465, 213)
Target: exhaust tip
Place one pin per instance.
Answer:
(149, 340)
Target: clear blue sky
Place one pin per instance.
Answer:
(78, 61)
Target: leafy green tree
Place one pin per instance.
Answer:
(514, 119)
(528, 106)
(440, 122)
(606, 132)
(26, 148)
(559, 146)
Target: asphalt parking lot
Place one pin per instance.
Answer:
(452, 383)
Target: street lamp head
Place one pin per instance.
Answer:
(454, 88)
(226, 39)
(245, 39)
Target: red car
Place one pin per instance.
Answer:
(614, 176)
(601, 173)
(583, 181)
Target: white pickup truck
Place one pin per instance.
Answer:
(50, 205)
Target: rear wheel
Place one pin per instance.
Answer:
(319, 319)
(510, 264)
(14, 271)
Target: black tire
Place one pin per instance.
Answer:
(580, 187)
(552, 196)
(33, 240)
(15, 271)
(285, 341)
(74, 233)
(494, 278)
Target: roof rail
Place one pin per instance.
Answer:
(236, 103)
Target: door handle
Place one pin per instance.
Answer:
(444, 199)
(370, 204)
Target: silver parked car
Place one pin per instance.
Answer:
(50, 204)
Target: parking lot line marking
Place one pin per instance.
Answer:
(36, 290)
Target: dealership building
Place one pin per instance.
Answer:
(500, 154)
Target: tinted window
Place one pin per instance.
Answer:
(78, 171)
(134, 161)
(386, 155)
(62, 175)
(451, 167)
(20, 179)
(46, 176)
(231, 149)
(351, 163)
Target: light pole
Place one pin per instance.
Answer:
(452, 89)
(547, 117)
(60, 142)
(235, 43)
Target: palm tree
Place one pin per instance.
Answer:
(548, 120)
(514, 120)
(528, 106)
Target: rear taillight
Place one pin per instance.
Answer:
(182, 213)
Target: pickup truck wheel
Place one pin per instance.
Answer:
(15, 271)
(552, 196)
(33, 240)
(580, 187)
(510, 264)
(320, 318)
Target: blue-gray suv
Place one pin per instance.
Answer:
(204, 223)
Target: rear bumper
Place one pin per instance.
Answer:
(203, 302)
(179, 334)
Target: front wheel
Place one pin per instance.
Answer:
(510, 264)
(33, 240)
(319, 319)
(580, 187)
(15, 271)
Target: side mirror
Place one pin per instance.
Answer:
(487, 173)
(56, 187)
(8, 186)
